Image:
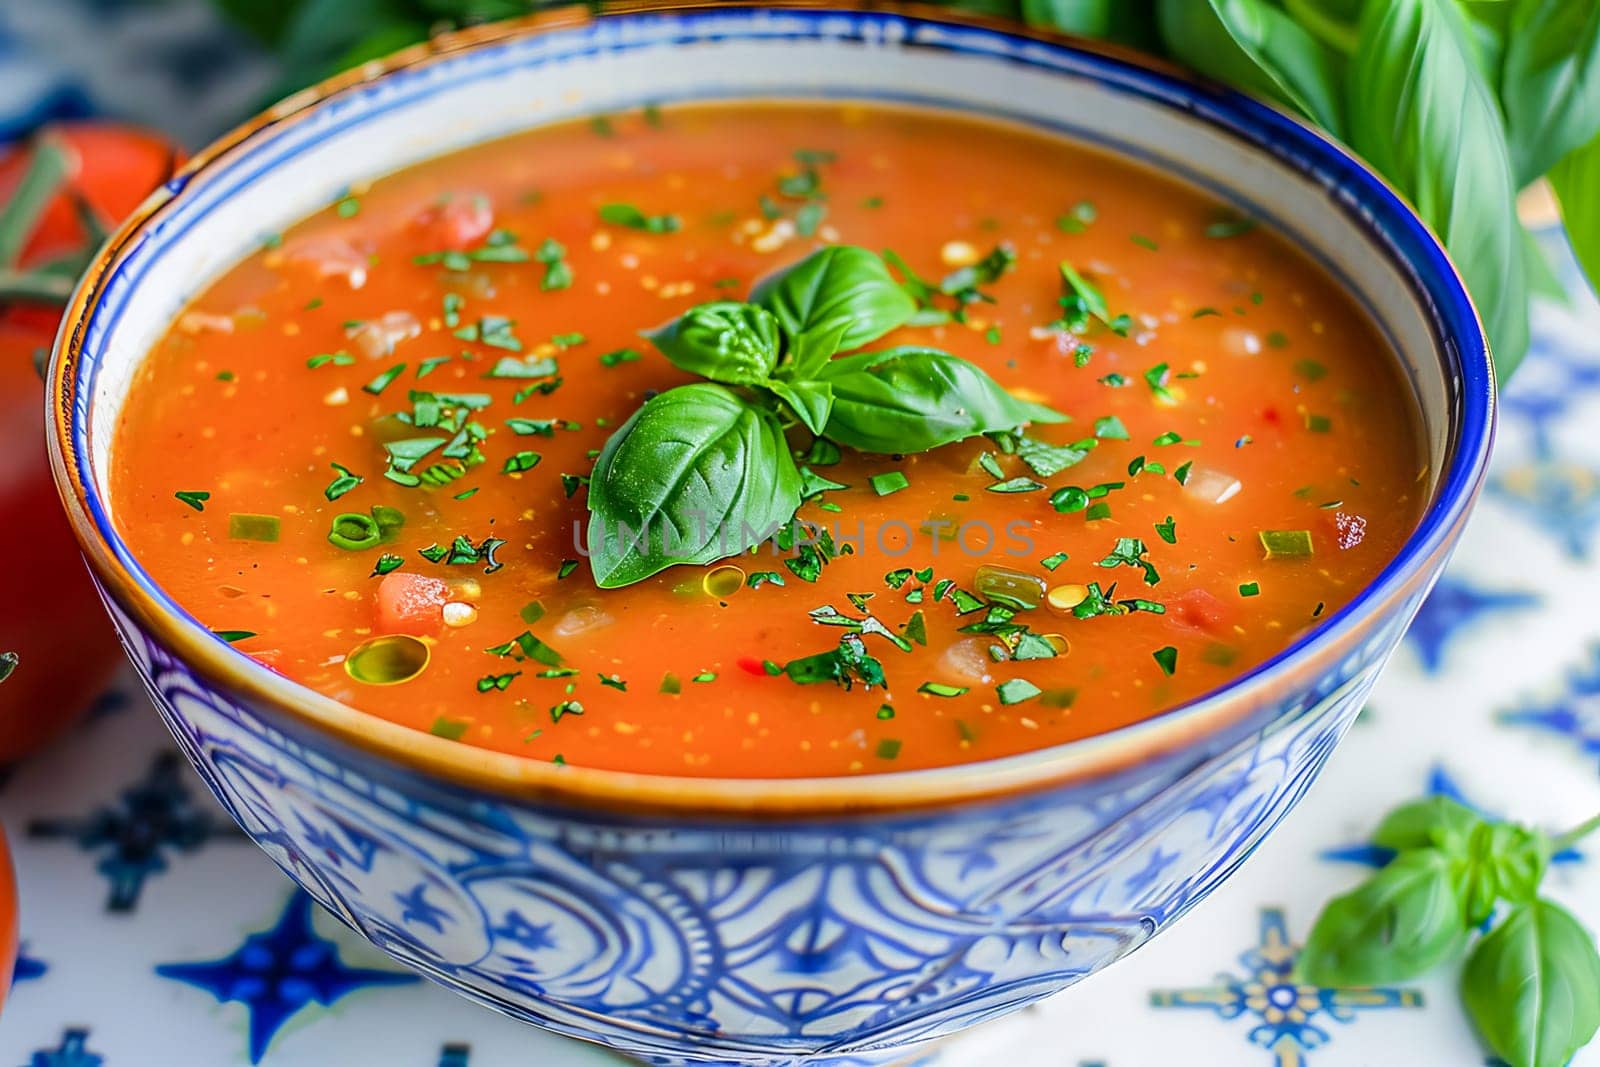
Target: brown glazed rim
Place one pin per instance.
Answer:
(1242, 705)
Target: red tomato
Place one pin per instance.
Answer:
(50, 615)
(1200, 610)
(411, 604)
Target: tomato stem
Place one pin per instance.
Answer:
(1574, 835)
(47, 170)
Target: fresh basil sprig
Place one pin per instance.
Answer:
(1531, 983)
(704, 471)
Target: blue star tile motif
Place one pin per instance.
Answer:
(28, 968)
(152, 819)
(1453, 606)
(1287, 1014)
(72, 1052)
(455, 1056)
(277, 972)
(1574, 714)
(1439, 784)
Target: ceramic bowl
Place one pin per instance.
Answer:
(737, 921)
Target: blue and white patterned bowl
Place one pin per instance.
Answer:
(737, 921)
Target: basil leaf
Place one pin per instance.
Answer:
(1391, 928)
(913, 399)
(8, 664)
(1543, 280)
(1576, 180)
(725, 341)
(843, 289)
(1126, 21)
(1550, 82)
(1530, 986)
(1519, 858)
(694, 475)
(811, 401)
(1433, 822)
(1256, 47)
(1421, 112)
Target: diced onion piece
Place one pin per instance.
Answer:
(458, 614)
(1014, 589)
(968, 661)
(1212, 486)
(377, 338)
(387, 660)
(582, 619)
(1239, 341)
(329, 257)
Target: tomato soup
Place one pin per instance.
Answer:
(367, 455)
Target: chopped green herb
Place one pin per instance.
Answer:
(1286, 544)
(1167, 657)
(387, 563)
(890, 482)
(620, 355)
(1249, 588)
(234, 636)
(1168, 531)
(449, 729)
(1051, 562)
(631, 217)
(246, 527)
(344, 481)
(939, 689)
(1110, 428)
(888, 748)
(1016, 690)
(521, 461)
(194, 498)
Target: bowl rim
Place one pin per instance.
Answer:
(1224, 715)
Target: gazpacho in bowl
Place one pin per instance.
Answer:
(769, 440)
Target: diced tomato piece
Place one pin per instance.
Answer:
(459, 223)
(752, 665)
(411, 604)
(1199, 609)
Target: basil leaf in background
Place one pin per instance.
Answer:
(1333, 22)
(1576, 180)
(1399, 923)
(811, 401)
(699, 471)
(1550, 82)
(1259, 48)
(1130, 22)
(1530, 986)
(725, 341)
(1543, 280)
(1488, 23)
(841, 285)
(1421, 113)
(1433, 822)
(8, 664)
(913, 399)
